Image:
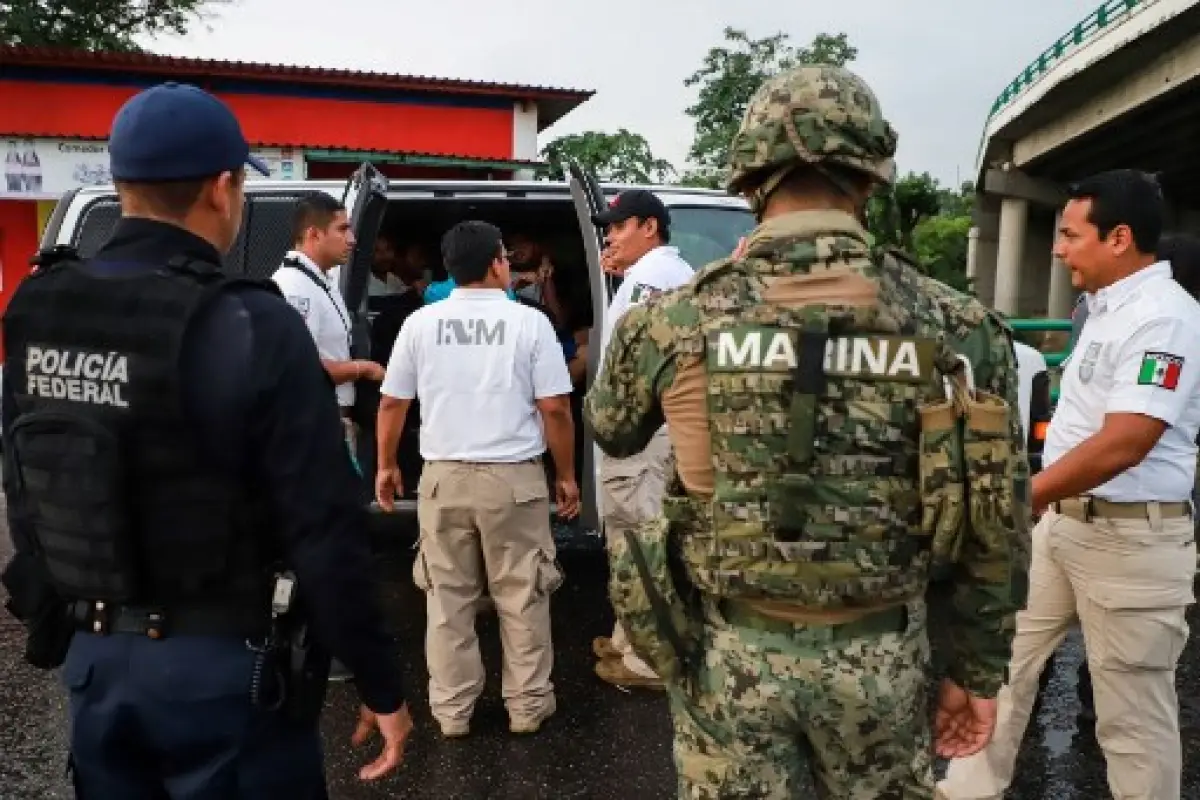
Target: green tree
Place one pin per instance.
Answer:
(940, 244)
(729, 77)
(893, 214)
(927, 221)
(622, 157)
(96, 24)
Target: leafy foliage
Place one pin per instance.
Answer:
(622, 157)
(95, 24)
(928, 221)
(730, 75)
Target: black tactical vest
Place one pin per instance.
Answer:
(104, 468)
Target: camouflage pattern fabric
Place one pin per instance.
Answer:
(854, 556)
(783, 713)
(656, 608)
(655, 343)
(809, 496)
(813, 115)
(981, 622)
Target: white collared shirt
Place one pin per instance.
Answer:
(1138, 352)
(324, 313)
(478, 362)
(660, 270)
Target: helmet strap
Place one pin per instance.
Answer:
(759, 197)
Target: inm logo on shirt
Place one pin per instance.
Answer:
(470, 331)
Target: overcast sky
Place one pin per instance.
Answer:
(936, 65)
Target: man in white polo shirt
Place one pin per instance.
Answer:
(637, 236)
(1115, 548)
(490, 377)
(322, 239)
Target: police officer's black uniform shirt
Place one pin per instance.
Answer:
(255, 388)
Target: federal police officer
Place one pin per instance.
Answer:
(177, 482)
(495, 392)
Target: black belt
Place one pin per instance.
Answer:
(158, 623)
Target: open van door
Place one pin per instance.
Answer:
(365, 198)
(589, 201)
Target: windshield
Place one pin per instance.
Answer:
(705, 234)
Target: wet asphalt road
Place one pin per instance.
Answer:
(603, 743)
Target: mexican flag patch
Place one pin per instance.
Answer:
(1161, 370)
(643, 292)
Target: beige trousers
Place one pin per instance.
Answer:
(486, 522)
(632, 491)
(1128, 583)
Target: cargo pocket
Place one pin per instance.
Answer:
(420, 570)
(622, 480)
(549, 575)
(527, 491)
(1141, 628)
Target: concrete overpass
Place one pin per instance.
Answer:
(1120, 89)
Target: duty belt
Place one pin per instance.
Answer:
(1086, 509)
(158, 623)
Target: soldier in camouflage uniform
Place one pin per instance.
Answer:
(820, 478)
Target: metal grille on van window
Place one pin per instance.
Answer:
(99, 220)
(269, 223)
(96, 226)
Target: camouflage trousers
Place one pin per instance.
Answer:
(779, 711)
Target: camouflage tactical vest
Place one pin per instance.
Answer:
(813, 418)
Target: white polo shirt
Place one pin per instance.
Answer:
(1139, 352)
(660, 270)
(324, 313)
(477, 361)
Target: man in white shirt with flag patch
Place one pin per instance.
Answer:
(1115, 547)
(637, 233)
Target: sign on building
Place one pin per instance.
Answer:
(45, 169)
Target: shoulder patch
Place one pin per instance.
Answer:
(300, 303)
(1160, 369)
(642, 292)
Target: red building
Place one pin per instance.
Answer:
(56, 108)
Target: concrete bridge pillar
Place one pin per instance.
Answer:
(1014, 220)
(1062, 293)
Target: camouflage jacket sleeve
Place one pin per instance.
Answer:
(991, 579)
(622, 407)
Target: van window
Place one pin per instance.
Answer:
(96, 224)
(705, 234)
(99, 219)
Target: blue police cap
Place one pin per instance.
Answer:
(177, 132)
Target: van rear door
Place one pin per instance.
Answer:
(365, 198)
(589, 201)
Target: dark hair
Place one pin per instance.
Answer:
(314, 210)
(664, 228)
(469, 248)
(1127, 197)
(170, 199)
(1183, 251)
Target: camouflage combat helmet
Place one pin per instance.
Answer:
(817, 115)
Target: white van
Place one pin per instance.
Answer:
(705, 226)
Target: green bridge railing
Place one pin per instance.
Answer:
(1110, 13)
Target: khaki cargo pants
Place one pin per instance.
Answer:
(1128, 582)
(486, 522)
(631, 492)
